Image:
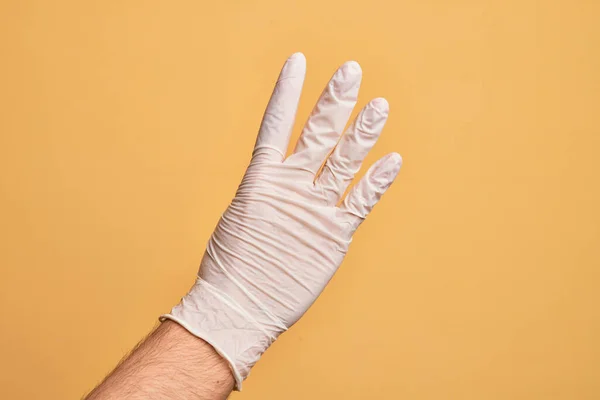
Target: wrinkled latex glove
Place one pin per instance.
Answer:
(285, 233)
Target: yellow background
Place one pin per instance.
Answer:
(126, 126)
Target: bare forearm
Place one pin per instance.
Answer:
(170, 364)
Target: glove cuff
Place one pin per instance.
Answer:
(208, 313)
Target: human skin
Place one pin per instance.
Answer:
(169, 364)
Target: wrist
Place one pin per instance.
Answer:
(238, 334)
(218, 366)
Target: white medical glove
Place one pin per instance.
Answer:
(284, 235)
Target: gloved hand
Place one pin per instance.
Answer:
(284, 235)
